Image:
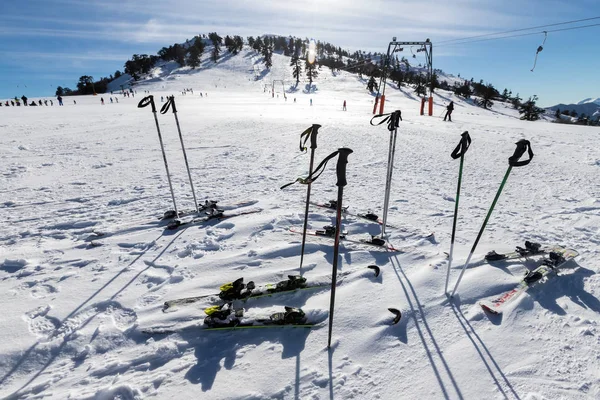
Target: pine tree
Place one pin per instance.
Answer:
(238, 42)
(193, 58)
(229, 44)
(311, 72)
(529, 111)
(487, 93)
(258, 44)
(180, 53)
(216, 41)
(296, 68)
(516, 101)
(267, 55)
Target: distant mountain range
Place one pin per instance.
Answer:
(590, 107)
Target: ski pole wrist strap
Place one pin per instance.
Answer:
(146, 101)
(522, 147)
(310, 133)
(316, 173)
(392, 119)
(462, 147)
(170, 102)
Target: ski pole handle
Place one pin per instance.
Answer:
(343, 154)
(462, 147)
(522, 147)
(392, 119)
(170, 102)
(148, 100)
(313, 136)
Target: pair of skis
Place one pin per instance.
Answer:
(556, 259)
(328, 232)
(227, 317)
(243, 292)
(209, 215)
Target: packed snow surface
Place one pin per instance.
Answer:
(85, 264)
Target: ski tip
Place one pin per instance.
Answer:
(397, 315)
(488, 308)
(375, 269)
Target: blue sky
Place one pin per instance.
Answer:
(49, 43)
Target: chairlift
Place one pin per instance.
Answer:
(540, 48)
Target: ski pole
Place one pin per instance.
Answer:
(459, 152)
(513, 161)
(341, 182)
(393, 120)
(171, 102)
(342, 155)
(149, 100)
(312, 134)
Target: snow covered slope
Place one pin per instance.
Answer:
(75, 303)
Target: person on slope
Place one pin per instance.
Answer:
(344, 107)
(449, 109)
(24, 99)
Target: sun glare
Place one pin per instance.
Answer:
(312, 51)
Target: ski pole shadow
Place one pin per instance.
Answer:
(416, 311)
(61, 324)
(330, 363)
(297, 383)
(211, 348)
(479, 345)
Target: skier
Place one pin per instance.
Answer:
(344, 107)
(311, 102)
(24, 99)
(102, 100)
(449, 110)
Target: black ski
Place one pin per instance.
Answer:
(328, 232)
(214, 214)
(226, 317)
(205, 207)
(238, 290)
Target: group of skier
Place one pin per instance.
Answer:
(16, 102)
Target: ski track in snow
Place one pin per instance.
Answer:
(85, 263)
